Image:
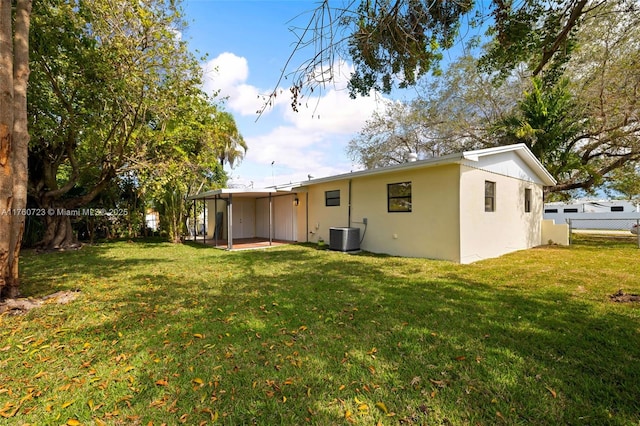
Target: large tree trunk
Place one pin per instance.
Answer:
(14, 139)
(58, 233)
(20, 139)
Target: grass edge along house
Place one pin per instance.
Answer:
(462, 207)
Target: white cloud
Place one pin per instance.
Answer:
(311, 141)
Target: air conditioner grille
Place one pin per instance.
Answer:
(344, 239)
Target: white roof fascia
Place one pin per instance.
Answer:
(523, 152)
(458, 158)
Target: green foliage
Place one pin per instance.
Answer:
(549, 122)
(175, 334)
(116, 101)
(390, 136)
(400, 41)
(540, 34)
(624, 181)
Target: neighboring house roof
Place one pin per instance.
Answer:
(469, 158)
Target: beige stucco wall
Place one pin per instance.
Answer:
(508, 228)
(430, 230)
(555, 233)
(302, 231)
(321, 217)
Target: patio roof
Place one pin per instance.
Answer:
(247, 193)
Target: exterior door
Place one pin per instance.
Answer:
(285, 218)
(244, 218)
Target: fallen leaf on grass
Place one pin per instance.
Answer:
(4, 412)
(162, 382)
(553, 393)
(382, 407)
(73, 422)
(439, 383)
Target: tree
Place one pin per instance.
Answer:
(14, 138)
(187, 149)
(595, 104)
(395, 43)
(389, 137)
(583, 123)
(228, 137)
(549, 122)
(103, 72)
(453, 113)
(625, 181)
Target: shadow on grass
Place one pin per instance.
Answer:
(290, 334)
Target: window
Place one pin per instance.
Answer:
(332, 198)
(399, 197)
(527, 200)
(489, 196)
(570, 210)
(551, 210)
(617, 208)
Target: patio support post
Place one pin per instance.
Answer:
(270, 220)
(230, 223)
(638, 231)
(204, 222)
(195, 225)
(215, 221)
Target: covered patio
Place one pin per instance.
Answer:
(242, 219)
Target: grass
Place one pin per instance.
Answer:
(179, 334)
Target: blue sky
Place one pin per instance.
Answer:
(249, 41)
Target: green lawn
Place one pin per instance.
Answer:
(292, 335)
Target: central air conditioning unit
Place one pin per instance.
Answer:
(344, 239)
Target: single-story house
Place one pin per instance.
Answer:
(461, 207)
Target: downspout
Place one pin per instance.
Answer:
(306, 206)
(270, 221)
(230, 223)
(349, 207)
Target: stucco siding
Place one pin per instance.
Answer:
(322, 217)
(508, 228)
(429, 230)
